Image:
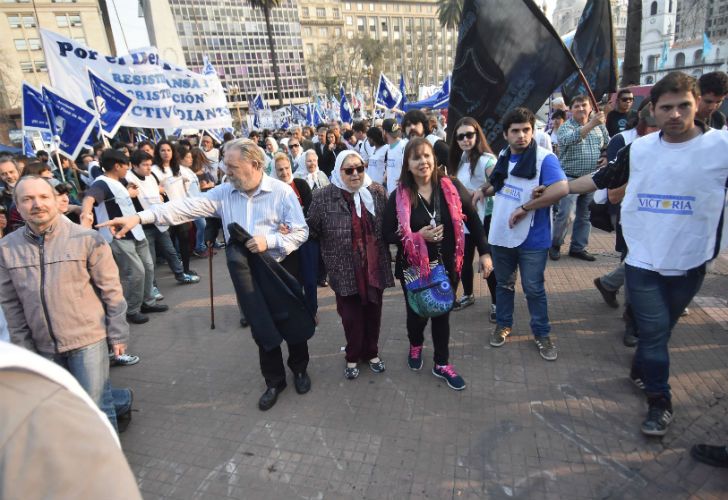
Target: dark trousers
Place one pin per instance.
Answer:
(467, 275)
(251, 300)
(308, 256)
(271, 363)
(440, 331)
(361, 324)
(180, 235)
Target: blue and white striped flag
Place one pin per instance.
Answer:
(387, 93)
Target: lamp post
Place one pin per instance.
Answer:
(234, 91)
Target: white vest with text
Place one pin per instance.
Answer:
(674, 201)
(123, 200)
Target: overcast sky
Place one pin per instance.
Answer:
(127, 26)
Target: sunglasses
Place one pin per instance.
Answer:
(626, 99)
(350, 170)
(466, 135)
(294, 145)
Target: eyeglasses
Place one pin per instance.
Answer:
(294, 145)
(350, 170)
(468, 135)
(626, 99)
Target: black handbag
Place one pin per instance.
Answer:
(600, 217)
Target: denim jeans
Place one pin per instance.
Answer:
(532, 263)
(657, 302)
(573, 207)
(136, 270)
(90, 367)
(200, 234)
(614, 280)
(156, 237)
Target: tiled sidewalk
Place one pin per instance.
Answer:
(523, 428)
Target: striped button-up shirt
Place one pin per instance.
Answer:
(260, 214)
(579, 156)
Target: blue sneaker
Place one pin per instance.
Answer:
(448, 373)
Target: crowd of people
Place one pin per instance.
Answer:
(325, 206)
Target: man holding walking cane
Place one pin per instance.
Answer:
(260, 205)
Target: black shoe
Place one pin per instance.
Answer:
(659, 416)
(630, 338)
(269, 397)
(156, 308)
(554, 253)
(323, 283)
(137, 318)
(244, 323)
(583, 255)
(609, 297)
(123, 420)
(711, 455)
(302, 382)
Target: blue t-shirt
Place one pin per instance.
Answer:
(539, 236)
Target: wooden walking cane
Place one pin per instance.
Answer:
(212, 298)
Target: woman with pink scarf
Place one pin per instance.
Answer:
(425, 216)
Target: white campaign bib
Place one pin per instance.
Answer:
(674, 201)
(395, 157)
(123, 200)
(515, 192)
(148, 193)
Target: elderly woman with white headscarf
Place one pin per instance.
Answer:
(271, 148)
(346, 217)
(310, 172)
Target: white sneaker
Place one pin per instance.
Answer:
(157, 294)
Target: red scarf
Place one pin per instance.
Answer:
(295, 190)
(413, 244)
(367, 267)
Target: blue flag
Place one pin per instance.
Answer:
(216, 134)
(707, 46)
(318, 115)
(70, 124)
(157, 136)
(344, 107)
(110, 103)
(140, 135)
(258, 102)
(403, 91)
(663, 56)
(34, 113)
(28, 147)
(95, 134)
(207, 67)
(388, 95)
(309, 114)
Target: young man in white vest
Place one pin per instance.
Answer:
(672, 229)
(520, 228)
(395, 152)
(109, 198)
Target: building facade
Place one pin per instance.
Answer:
(233, 36)
(339, 38)
(671, 43)
(22, 54)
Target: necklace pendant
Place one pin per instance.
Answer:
(432, 222)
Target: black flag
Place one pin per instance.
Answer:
(508, 56)
(593, 50)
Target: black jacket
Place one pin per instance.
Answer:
(271, 299)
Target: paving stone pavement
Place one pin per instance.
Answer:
(524, 427)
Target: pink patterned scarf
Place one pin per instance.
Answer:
(413, 244)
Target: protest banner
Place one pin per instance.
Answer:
(166, 95)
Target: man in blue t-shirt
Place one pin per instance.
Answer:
(520, 230)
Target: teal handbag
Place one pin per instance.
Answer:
(429, 296)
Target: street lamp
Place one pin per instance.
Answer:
(233, 90)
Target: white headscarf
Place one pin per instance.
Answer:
(360, 195)
(302, 170)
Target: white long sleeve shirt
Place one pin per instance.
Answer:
(260, 214)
